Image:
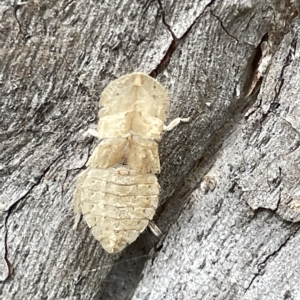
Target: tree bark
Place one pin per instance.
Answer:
(233, 67)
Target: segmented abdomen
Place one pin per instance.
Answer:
(117, 203)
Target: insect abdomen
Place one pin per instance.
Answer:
(117, 203)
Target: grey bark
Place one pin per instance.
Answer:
(240, 239)
(219, 60)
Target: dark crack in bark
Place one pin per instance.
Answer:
(256, 78)
(67, 4)
(14, 207)
(165, 61)
(261, 266)
(289, 58)
(223, 27)
(17, 6)
(163, 17)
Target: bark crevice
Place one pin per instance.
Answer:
(165, 61)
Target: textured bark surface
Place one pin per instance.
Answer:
(212, 57)
(239, 234)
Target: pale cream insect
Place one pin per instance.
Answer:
(118, 192)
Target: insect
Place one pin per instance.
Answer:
(118, 192)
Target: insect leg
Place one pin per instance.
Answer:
(92, 132)
(77, 197)
(174, 123)
(154, 228)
